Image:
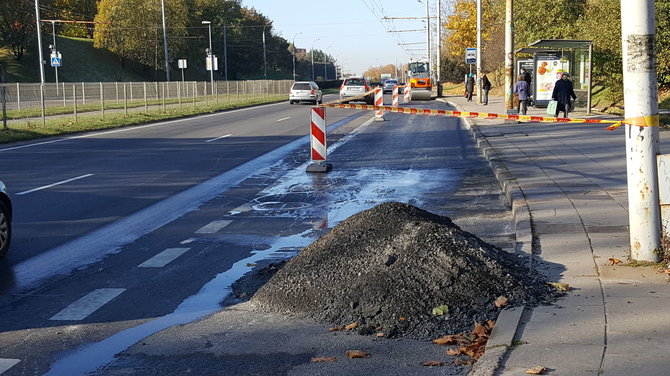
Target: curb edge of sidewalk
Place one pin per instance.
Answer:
(509, 320)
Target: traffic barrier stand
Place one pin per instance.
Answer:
(318, 145)
(644, 121)
(379, 102)
(407, 93)
(395, 96)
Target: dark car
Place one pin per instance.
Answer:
(5, 220)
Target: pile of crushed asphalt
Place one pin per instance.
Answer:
(391, 265)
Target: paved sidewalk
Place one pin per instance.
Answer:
(567, 184)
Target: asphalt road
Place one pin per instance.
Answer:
(121, 234)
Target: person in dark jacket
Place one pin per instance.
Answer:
(486, 87)
(469, 87)
(562, 94)
(528, 78)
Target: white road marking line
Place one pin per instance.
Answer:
(241, 209)
(282, 119)
(85, 306)
(53, 185)
(6, 364)
(214, 227)
(163, 258)
(218, 138)
(187, 241)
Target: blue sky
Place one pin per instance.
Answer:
(352, 31)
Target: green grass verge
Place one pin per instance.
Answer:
(57, 126)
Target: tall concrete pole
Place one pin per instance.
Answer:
(165, 43)
(479, 50)
(428, 55)
(509, 54)
(39, 41)
(638, 30)
(439, 48)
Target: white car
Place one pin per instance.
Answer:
(305, 91)
(5, 220)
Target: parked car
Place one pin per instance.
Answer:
(355, 87)
(5, 220)
(305, 91)
(389, 85)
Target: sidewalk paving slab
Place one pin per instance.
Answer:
(571, 179)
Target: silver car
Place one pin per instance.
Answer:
(355, 87)
(5, 220)
(389, 85)
(305, 91)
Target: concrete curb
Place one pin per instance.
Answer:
(509, 320)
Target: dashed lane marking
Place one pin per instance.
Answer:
(218, 138)
(241, 209)
(282, 119)
(214, 227)
(53, 185)
(85, 306)
(163, 258)
(6, 364)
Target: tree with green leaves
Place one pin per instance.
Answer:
(17, 25)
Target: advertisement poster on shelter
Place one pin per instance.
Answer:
(548, 70)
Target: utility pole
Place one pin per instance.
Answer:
(165, 43)
(428, 59)
(509, 54)
(225, 53)
(638, 29)
(479, 51)
(39, 41)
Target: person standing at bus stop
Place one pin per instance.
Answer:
(486, 87)
(469, 87)
(563, 91)
(521, 89)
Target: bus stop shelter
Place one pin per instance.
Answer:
(548, 59)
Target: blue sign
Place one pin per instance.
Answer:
(55, 61)
(470, 56)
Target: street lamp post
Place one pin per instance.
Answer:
(325, 64)
(293, 53)
(210, 54)
(265, 61)
(315, 40)
(39, 41)
(165, 43)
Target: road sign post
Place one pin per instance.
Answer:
(182, 64)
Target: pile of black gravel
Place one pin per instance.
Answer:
(389, 266)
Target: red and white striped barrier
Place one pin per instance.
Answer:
(379, 101)
(407, 92)
(395, 96)
(317, 132)
(318, 146)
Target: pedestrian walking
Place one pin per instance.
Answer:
(486, 87)
(521, 89)
(469, 87)
(562, 94)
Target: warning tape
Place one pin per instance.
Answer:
(643, 121)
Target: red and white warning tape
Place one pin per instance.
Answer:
(643, 121)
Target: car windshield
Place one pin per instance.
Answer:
(355, 82)
(391, 82)
(301, 86)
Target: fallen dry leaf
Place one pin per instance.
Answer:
(539, 370)
(402, 318)
(453, 352)
(490, 323)
(501, 302)
(614, 261)
(380, 334)
(452, 339)
(560, 286)
(432, 363)
(379, 328)
(481, 331)
(335, 329)
(320, 359)
(357, 354)
(351, 326)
